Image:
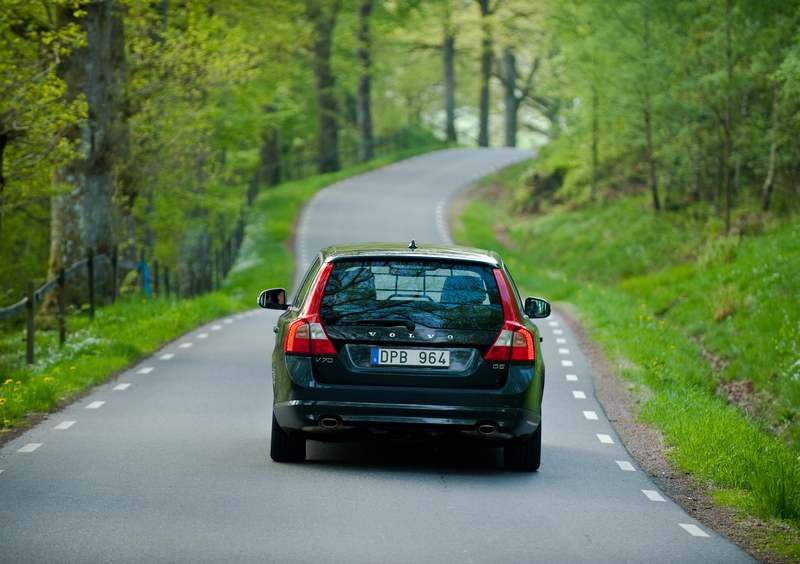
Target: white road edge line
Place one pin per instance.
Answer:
(653, 495)
(694, 530)
(95, 404)
(120, 387)
(625, 465)
(146, 369)
(606, 439)
(64, 425)
(30, 447)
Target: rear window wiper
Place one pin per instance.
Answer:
(407, 323)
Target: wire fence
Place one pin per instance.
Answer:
(199, 278)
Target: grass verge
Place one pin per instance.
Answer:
(708, 324)
(135, 327)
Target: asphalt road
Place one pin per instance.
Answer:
(170, 463)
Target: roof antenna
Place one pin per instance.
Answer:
(413, 245)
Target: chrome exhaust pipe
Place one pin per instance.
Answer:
(487, 429)
(329, 422)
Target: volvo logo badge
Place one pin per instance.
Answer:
(372, 333)
(391, 334)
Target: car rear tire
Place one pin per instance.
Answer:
(524, 455)
(286, 447)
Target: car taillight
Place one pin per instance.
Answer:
(306, 335)
(513, 343)
(297, 340)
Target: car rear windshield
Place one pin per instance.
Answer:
(435, 294)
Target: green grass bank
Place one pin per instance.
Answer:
(705, 325)
(137, 326)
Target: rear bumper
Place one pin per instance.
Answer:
(301, 402)
(299, 414)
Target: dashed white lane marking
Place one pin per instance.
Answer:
(185, 345)
(625, 465)
(653, 495)
(566, 363)
(202, 336)
(216, 327)
(441, 223)
(30, 447)
(578, 395)
(572, 377)
(95, 404)
(228, 321)
(590, 415)
(693, 530)
(605, 439)
(64, 425)
(561, 341)
(166, 356)
(146, 369)
(563, 351)
(239, 316)
(558, 332)
(120, 387)
(1, 471)
(554, 324)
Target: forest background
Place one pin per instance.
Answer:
(137, 124)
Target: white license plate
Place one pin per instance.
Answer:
(410, 357)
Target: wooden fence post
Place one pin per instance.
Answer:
(62, 307)
(155, 276)
(90, 258)
(31, 306)
(166, 280)
(115, 274)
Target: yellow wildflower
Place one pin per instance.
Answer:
(648, 318)
(2, 401)
(7, 382)
(72, 368)
(644, 306)
(144, 300)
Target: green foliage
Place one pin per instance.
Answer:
(34, 121)
(685, 87)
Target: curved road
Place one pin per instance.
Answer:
(170, 462)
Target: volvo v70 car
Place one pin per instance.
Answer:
(396, 340)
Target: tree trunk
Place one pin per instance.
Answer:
(595, 137)
(82, 218)
(270, 153)
(3, 143)
(648, 126)
(363, 58)
(486, 73)
(512, 101)
(448, 58)
(766, 192)
(323, 18)
(728, 119)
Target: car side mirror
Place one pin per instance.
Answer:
(274, 298)
(537, 308)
